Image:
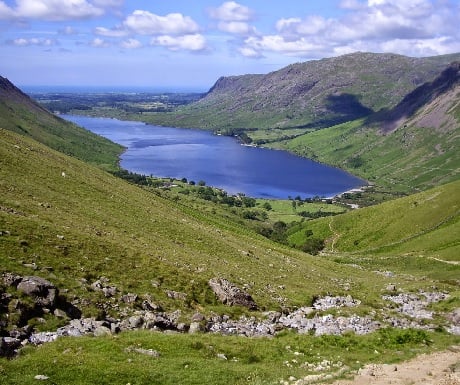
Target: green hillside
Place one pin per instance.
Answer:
(66, 220)
(421, 225)
(83, 225)
(23, 115)
(409, 148)
(89, 224)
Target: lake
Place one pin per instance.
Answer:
(220, 161)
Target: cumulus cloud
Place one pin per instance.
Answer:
(195, 42)
(99, 43)
(412, 27)
(231, 11)
(130, 44)
(53, 10)
(147, 23)
(233, 18)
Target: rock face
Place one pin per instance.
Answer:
(231, 295)
(42, 291)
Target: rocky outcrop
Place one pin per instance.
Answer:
(43, 292)
(231, 295)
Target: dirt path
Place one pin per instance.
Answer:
(434, 369)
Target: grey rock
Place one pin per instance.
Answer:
(43, 291)
(59, 313)
(329, 302)
(147, 352)
(195, 327)
(9, 346)
(198, 317)
(129, 298)
(101, 331)
(230, 294)
(10, 279)
(41, 377)
(176, 295)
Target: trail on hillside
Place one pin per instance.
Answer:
(335, 236)
(441, 368)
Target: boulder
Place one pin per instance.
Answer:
(231, 295)
(9, 346)
(42, 291)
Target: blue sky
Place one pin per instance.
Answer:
(189, 44)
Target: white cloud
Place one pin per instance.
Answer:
(276, 43)
(5, 11)
(195, 42)
(130, 44)
(426, 47)
(250, 52)
(22, 42)
(53, 10)
(231, 11)
(147, 23)
(411, 27)
(236, 27)
(99, 43)
(114, 32)
(109, 3)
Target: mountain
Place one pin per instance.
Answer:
(21, 114)
(412, 146)
(86, 252)
(314, 94)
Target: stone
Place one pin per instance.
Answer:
(9, 346)
(391, 287)
(197, 317)
(43, 291)
(129, 298)
(231, 295)
(100, 331)
(59, 313)
(195, 327)
(10, 279)
(41, 377)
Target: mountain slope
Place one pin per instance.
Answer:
(89, 224)
(412, 146)
(311, 94)
(21, 114)
(424, 224)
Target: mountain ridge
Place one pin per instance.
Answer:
(312, 94)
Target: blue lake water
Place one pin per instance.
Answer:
(220, 161)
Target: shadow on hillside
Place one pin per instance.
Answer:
(406, 108)
(340, 109)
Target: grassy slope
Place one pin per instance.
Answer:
(22, 115)
(402, 234)
(133, 237)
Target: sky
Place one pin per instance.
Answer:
(189, 44)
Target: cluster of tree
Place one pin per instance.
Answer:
(316, 214)
(279, 232)
(133, 177)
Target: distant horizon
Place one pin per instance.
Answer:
(27, 88)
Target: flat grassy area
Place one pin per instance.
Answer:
(211, 359)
